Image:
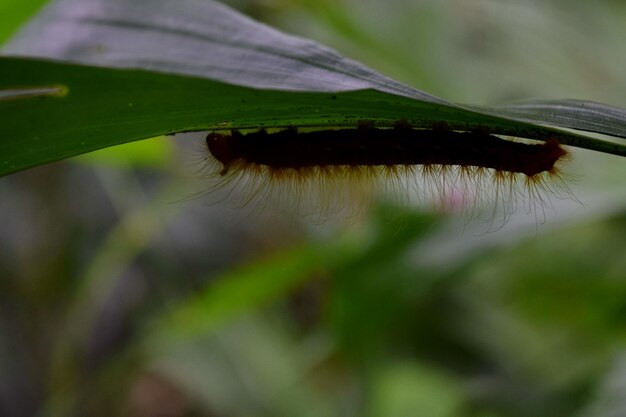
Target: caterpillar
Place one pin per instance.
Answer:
(450, 167)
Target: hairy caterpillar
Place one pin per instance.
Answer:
(339, 166)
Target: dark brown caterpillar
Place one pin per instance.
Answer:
(366, 146)
(444, 165)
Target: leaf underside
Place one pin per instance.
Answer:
(199, 65)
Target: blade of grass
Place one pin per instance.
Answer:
(574, 114)
(194, 37)
(208, 39)
(105, 107)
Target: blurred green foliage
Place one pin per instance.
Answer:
(118, 296)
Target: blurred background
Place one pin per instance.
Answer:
(122, 293)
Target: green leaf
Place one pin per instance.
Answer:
(194, 37)
(248, 288)
(574, 114)
(212, 68)
(402, 388)
(80, 109)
